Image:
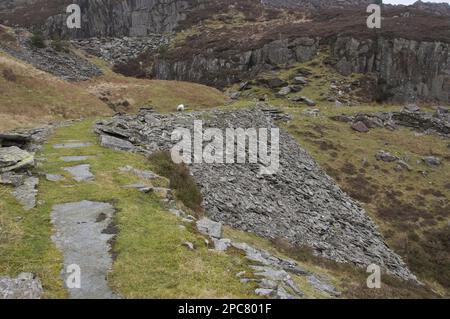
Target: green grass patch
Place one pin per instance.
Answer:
(151, 261)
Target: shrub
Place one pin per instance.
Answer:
(60, 45)
(181, 181)
(37, 40)
(9, 75)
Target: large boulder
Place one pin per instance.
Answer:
(12, 158)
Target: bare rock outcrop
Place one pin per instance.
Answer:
(425, 122)
(406, 70)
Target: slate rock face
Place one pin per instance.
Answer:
(67, 66)
(299, 203)
(409, 70)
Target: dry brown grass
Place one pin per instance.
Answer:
(35, 97)
(163, 95)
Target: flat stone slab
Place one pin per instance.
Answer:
(83, 236)
(72, 145)
(69, 159)
(25, 286)
(27, 192)
(116, 143)
(81, 173)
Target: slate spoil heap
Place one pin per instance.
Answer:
(300, 203)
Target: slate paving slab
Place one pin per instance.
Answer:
(81, 173)
(83, 234)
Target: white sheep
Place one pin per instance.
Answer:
(181, 108)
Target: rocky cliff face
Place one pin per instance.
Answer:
(107, 18)
(407, 70)
(230, 67)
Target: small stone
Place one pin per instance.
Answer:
(265, 292)
(322, 286)
(235, 95)
(240, 274)
(208, 227)
(338, 103)
(189, 245)
(413, 108)
(221, 244)
(54, 177)
(309, 102)
(26, 193)
(244, 86)
(360, 127)
(268, 284)
(403, 165)
(281, 293)
(311, 112)
(163, 192)
(149, 175)
(141, 187)
(272, 83)
(432, 161)
(284, 91)
(10, 178)
(385, 157)
(342, 118)
(300, 80)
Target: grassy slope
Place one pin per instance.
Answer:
(163, 95)
(30, 97)
(411, 209)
